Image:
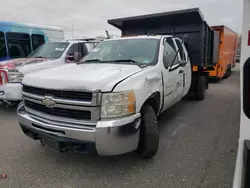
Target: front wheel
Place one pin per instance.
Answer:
(149, 133)
(201, 88)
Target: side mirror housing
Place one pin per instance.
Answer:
(69, 58)
(183, 63)
(76, 57)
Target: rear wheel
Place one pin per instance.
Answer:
(149, 133)
(201, 88)
(228, 73)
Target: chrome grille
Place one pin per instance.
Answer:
(48, 105)
(60, 112)
(70, 95)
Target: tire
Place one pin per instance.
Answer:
(201, 88)
(149, 133)
(228, 73)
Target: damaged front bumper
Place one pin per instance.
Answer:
(11, 92)
(108, 137)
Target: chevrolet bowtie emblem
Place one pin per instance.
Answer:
(48, 102)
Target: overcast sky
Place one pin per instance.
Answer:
(89, 17)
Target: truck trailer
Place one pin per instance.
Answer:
(228, 49)
(108, 103)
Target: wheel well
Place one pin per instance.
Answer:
(154, 101)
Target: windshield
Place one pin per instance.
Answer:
(50, 50)
(142, 51)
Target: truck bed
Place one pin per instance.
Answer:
(202, 39)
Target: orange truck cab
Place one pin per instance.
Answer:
(227, 57)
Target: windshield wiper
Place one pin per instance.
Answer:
(39, 57)
(126, 60)
(92, 60)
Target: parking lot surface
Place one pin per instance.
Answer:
(198, 145)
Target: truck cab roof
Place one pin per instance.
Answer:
(142, 37)
(72, 41)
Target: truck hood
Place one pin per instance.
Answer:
(92, 77)
(24, 65)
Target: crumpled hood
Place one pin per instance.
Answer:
(91, 77)
(20, 63)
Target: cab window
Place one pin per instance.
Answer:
(18, 44)
(3, 52)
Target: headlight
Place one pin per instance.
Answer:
(117, 104)
(15, 76)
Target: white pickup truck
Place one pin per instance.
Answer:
(110, 100)
(50, 54)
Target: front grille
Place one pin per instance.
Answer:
(70, 95)
(60, 112)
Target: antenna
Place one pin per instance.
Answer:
(73, 31)
(107, 34)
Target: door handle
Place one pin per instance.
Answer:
(181, 71)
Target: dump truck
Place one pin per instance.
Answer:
(228, 49)
(108, 103)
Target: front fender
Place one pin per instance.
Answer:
(144, 85)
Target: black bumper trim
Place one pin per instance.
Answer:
(90, 147)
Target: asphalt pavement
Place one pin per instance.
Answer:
(198, 144)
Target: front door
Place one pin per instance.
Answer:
(172, 76)
(185, 71)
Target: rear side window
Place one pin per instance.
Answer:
(37, 40)
(3, 52)
(18, 44)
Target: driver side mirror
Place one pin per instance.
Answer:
(69, 58)
(183, 63)
(76, 57)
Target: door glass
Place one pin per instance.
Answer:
(181, 51)
(3, 52)
(85, 48)
(37, 40)
(18, 44)
(72, 49)
(169, 54)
